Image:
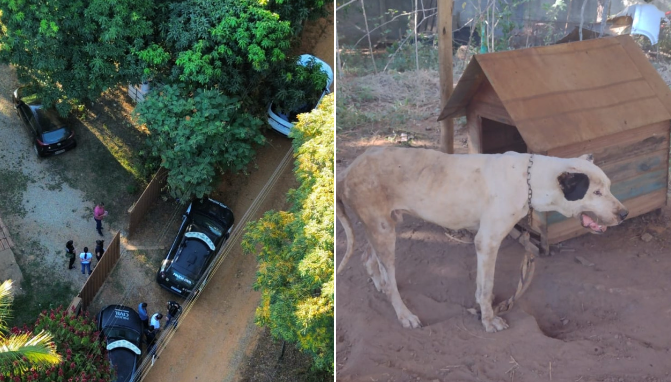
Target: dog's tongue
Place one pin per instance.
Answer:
(589, 222)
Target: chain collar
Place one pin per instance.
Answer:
(530, 218)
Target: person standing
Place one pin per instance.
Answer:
(99, 250)
(174, 309)
(70, 253)
(150, 336)
(85, 258)
(98, 214)
(142, 311)
(156, 320)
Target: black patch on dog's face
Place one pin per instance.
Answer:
(574, 185)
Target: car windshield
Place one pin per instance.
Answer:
(206, 223)
(115, 332)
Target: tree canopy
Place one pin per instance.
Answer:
(295, 247)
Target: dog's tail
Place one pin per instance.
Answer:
(347, 225)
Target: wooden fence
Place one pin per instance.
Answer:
(139, 209)
(99, 275)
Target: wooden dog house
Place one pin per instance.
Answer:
(599, 96)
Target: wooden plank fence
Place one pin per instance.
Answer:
(139, 209)
(99, 275)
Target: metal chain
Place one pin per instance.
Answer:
(530, 218)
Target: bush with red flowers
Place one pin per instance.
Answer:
(77, 341)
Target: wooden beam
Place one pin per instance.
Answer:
(445, 64)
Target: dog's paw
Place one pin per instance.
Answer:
(410, 321)
(495, 324)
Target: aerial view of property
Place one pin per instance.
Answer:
(166, 190)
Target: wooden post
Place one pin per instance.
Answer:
(445, 62)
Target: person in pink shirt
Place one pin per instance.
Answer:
(98, 214)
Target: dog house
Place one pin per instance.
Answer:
(599, 96)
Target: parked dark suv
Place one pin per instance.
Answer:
(205, 227)
(122, 329)
(50, 133)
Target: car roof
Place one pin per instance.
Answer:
(191, 257)
(120, 316)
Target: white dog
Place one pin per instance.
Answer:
(483, 193)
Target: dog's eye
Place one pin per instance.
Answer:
(597, 193)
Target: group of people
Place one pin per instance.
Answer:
(152, 326)
(86, 257)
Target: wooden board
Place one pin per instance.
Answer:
(621, 145)
(571, 228)
(620, 170)
(570, 93)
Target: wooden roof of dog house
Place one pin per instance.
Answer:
(562, 94)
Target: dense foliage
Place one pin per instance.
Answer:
(234, 53)
(84, 358)
(295, 247)
(197, 133)
(74, 49)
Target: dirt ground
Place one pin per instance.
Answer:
(577, 322)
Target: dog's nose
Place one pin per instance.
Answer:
(623, 214)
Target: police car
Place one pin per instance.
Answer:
(205, 227)
(122, 329)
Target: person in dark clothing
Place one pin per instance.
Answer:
(99, 250)
(174, 309)
(70, 253)
(150, 340)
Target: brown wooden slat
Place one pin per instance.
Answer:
(562, 130)
(492, 111)
(608, 148)
(634, 166)
(526, 73)
(620, 93)
(463, 93)
(571, 228)
(487, 94)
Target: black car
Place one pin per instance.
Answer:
(122, 329)
(205, 227)
(51, 133)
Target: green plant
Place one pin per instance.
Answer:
(76, 338)
(295, 247)
(75, 50)
(552, 12)
(20, 352)
(197, 133)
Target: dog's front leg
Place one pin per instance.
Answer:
(487, 249)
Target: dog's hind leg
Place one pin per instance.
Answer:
(487, 249)
(374, 268)
(383, 239)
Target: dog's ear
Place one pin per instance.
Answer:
(574, 185)
(587, 157)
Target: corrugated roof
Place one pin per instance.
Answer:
(558, 95)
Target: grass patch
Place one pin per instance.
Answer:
(395, 58)
(391, 99)
(40, 289)
(14, 184)
(108, 164)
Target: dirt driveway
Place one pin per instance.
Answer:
(219, 330)
(603, 319)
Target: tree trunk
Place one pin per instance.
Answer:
(445, 61)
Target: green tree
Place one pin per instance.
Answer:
(295, 247)
(84, 354)
(19, 351)
(196, 134)
(75, 50)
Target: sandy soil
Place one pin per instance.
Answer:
(576, 322)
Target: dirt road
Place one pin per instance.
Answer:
(215, 334)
